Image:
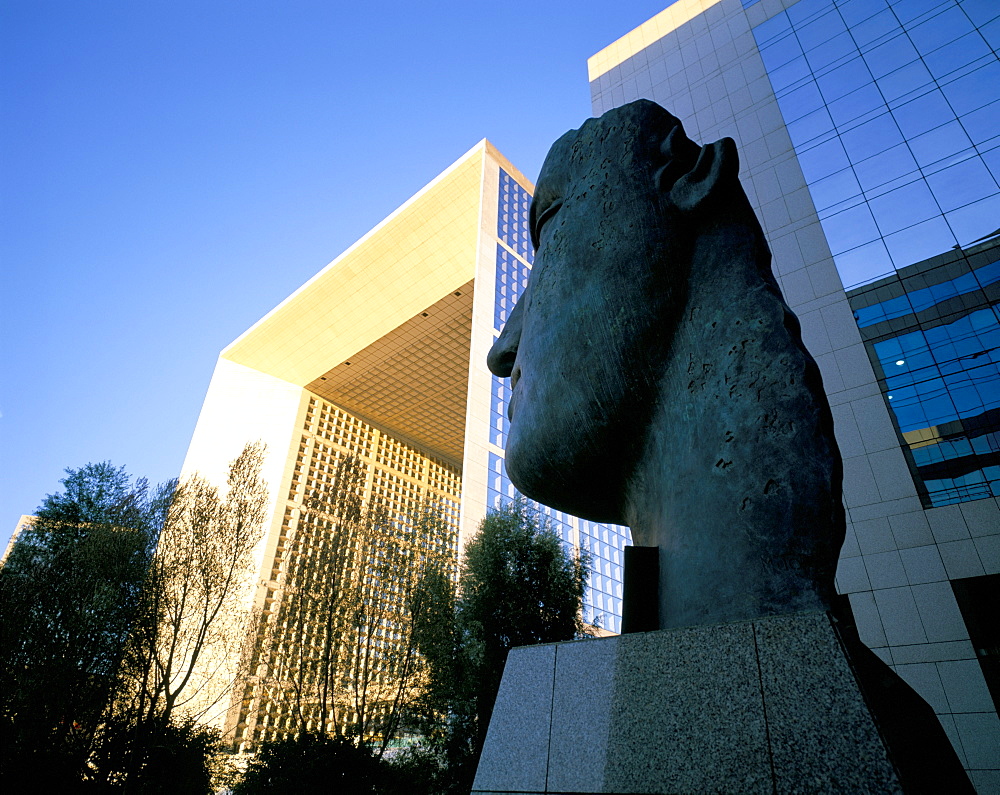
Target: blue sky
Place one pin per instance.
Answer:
(169, 171)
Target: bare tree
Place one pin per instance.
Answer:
(388, 673)
(302, 635)
(336, 652)
(183, 657)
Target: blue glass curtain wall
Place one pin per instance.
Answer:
(893, 108)
(894, 112)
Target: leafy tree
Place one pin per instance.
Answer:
(419, 770)
(109, 602)
(184, 757)
(519, 586)
(312, 764)
(68, 600)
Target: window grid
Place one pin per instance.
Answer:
(396, 475)
(936, 351)
(890, 112)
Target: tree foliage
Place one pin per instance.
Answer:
(108, 602)
(182, 757)
(68, 600)
(518, 586)
(312, 764)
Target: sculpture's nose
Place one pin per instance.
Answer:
(501, 357)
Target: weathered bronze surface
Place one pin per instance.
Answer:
(660, 380)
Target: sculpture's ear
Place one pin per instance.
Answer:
(715, 172)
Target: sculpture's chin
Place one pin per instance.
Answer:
(556, 477)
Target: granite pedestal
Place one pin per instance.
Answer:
(778, 705)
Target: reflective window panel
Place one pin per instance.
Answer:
(894, 112)
(932, 331)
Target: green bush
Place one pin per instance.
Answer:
(312, 763)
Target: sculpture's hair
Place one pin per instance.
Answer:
(646, 139)
(642, 141)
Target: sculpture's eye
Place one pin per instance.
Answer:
(543, 218)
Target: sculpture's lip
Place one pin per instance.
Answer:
(510, 406)
(515, 376)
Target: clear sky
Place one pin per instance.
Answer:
(170, 170)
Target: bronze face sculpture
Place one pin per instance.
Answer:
(659, 379)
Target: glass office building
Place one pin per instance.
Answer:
(869, 137)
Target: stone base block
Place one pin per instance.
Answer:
(777, 705)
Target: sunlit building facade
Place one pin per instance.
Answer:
(22, 523)
(869, 137)
(382, 356)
